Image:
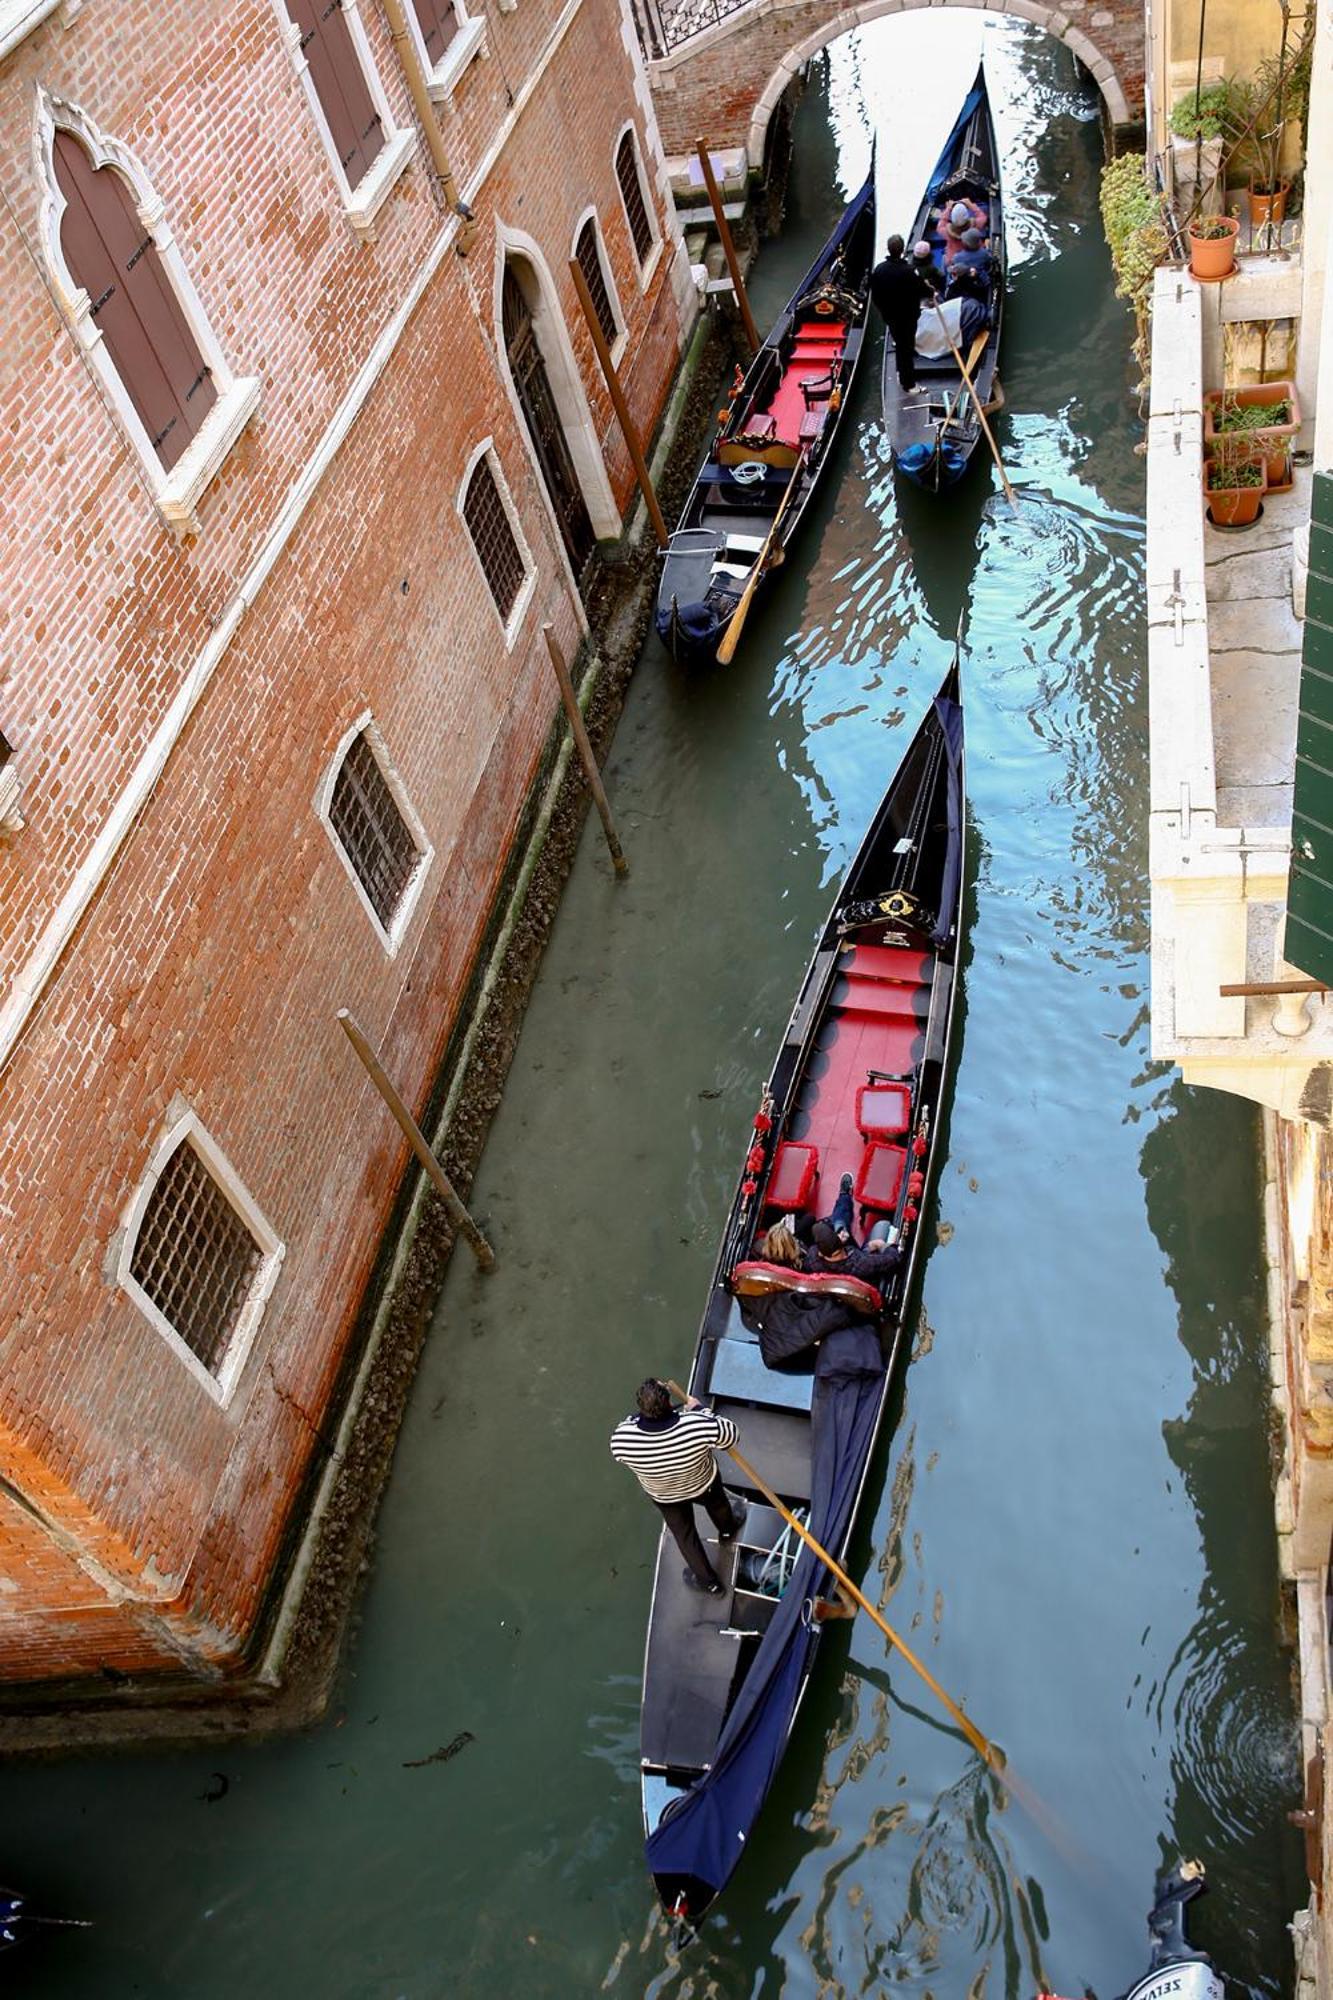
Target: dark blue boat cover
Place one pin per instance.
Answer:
(918, 462)
(704, 1834)
(950, 718)
(948, 159)
(698, 625)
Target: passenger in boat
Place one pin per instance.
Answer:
(832, 1252)
(673, 1455)
(954, 218)
(790, 1325)
(972, 268)
(899, 289)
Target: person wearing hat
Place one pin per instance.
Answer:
(673, 1455)
(954, 218)
(971, 268)
(899, 289)
(832, 1251)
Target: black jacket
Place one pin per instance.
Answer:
(874, 1266)
(898, 290)
(790, 1323)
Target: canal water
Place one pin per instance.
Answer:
(1073, 1521)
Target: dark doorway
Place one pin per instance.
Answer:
(543, 421)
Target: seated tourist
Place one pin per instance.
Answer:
(834, 1253)
(954, 218)
(972, 267)
(790, 1325)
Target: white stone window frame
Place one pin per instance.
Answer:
(179, 491)
(19, 18)
(365, 725)
(513, 624)
(653, 259)
(187, 1127)
(621, 341)
(362, 203)
(470, 41)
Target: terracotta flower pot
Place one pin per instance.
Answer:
(1275, 439)
(1231, 506)
(1214, 257)
(1271, 208)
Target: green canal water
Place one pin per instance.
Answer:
(1073, 1521)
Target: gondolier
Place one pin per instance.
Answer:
(672, 1454)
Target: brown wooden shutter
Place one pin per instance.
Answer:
(631, 193)
(114, 259)
(340, 84)
(438, 22)
(590, 264)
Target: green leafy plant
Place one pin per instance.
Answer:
(1209, 228)
(1203, 114)
(1232, 417)
(1236, 461)
(1132, 219)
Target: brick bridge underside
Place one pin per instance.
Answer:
(725, 80)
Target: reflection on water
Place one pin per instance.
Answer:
(1074, 1527)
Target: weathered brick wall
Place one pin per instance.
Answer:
(210, 963)
(713, 85)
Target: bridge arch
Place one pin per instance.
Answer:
(1055, 21)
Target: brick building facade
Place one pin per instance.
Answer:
(269, 712)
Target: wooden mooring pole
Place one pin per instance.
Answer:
(621, 407)
(1255, 987)
(585, 750)
(416, 1138)
(728, 247)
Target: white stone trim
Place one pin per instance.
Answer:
(486, 449)
(467, 43)
(648, 267)
(179, 491)
(365, 725)
(363, 202)
(589, 214)
(571, 399)
(221, 1386)
(18, 18)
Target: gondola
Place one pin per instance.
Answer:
(775, 438)
(856, 1088)
(935, 432)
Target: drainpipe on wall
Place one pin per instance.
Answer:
(425, 110)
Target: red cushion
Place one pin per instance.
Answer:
(881, 1175)
(795, 1172)
(883, 1110)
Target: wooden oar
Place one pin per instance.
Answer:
(976, 400)
(974, 1736)
(731, 637)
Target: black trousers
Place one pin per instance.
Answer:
(679, 1517)
(903, 335)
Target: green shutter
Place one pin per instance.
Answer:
(1309, 939)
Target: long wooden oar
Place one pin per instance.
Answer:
(974, 1736)
(976, 403)
(731, 637)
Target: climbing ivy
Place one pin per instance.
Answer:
(1132, 218)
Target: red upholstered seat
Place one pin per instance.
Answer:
(883, 1110)
(794, 1177)
(881, 1175)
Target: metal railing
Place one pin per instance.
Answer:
(664, 25)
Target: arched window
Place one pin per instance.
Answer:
(492, 523)
(115, 260)
(347, 100)
(133, 307)
(638, 212)
(198, 1258)
(587, 251)
(377, 834)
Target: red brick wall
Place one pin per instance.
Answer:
(209, 966)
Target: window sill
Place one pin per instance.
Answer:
(649, 268)
(466, 44)
(373, 189)
(180, 492)
(618, 346)
(520, 610)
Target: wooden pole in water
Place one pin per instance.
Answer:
(619, 404)
(974, 1736)
(416, 1138)
(728, 247)
(585, 750)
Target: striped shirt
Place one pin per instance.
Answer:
(676, 1462)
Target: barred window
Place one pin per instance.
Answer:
(194, 1258)
(493, 537)
(631, 193)
(372, 830)
(590, 263)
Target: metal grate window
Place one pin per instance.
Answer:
(590, 263)
(375, 837)
(194, 1257)
(631, 193)
(493, 538)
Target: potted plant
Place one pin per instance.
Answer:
(1266, 413)
(1213, 247)
(1197, 124)
(1234, 481)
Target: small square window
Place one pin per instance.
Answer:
(493, 538)
(590, 263)
(372, 831)
(194, 1257)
